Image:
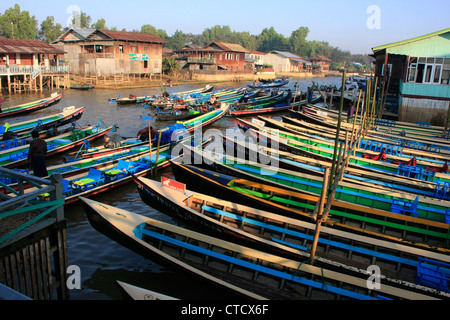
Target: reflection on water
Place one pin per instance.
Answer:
(102, 260)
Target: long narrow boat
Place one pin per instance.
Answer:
(418, 125)
(435, 141)
(107, 176)
(400, 143)
(30, 106)
(418, 132)
(17, 157)
(68, 115)
(434, 169)
(138, 99)
(292, 238)
(138, 293)
(368, 145)
(246, 271)
(82, 86)
(291, 197)
(273, 84)
(269, 108)
(83, 165)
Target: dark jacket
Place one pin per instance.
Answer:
(38, 148)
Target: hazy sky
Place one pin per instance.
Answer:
(356, 25)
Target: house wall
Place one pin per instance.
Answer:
(115, 58)
(280, 64)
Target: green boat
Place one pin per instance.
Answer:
(324, 149)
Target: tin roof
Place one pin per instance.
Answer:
(27, 46)
(130, 36)
(229, 46)
(428, 45)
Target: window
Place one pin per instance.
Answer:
(120, 48)
(428, 70)
(133, 49)
(237, 57)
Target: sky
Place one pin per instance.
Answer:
(354, 25)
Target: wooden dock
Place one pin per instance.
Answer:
(33, 250)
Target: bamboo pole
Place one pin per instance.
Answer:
(319, 213)
(338, 129)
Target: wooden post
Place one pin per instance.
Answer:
(338, 128)
(319, 207)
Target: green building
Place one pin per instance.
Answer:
(418, 71)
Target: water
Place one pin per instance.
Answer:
(101, 260)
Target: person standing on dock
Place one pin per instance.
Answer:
(350, 112)
(309, 95)
(36, 155)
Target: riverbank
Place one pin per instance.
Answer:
(148, 82)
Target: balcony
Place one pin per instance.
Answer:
(26, 70)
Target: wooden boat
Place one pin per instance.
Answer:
(30, 106)
(432, 168)
(372, 145)
(273, 84)
(68, 115)
(132, 98)
(281, 194)
(419, 137)
(82, 86)
(382, 126)
(268, 107)
(138, 293)
(246, 271)
(177, 115)
(292, 238)
(434, 148)
(17, 157)
(84, 164)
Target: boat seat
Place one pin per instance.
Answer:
(405, 207)
(120, 171)
(442, 190)
(433, 273)
(93, 179)
(67, 189)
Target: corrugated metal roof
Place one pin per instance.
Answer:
(434, 44)
(286, 54)
(27, 46)
(130, 36)
(229, 46)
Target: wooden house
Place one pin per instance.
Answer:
(214, 56)
(25, 64)
(105, 52)
(418, 73)
(284, 61)
(320, 64)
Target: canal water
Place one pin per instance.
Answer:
(101, 260)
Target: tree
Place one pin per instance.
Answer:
(269, 40)
(297, 41)
(178, 40)
(147, 28)
(81, 20)
(49, 31)
(100, 24)
(169, 65)
(18, 24)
